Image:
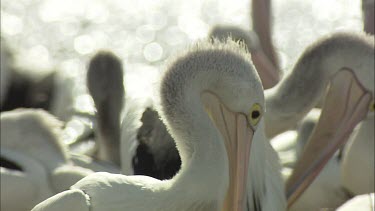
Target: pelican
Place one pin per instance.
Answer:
(208, 84)
(343, 65)
(105, 84)
(34, 163)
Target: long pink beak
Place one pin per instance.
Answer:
(346, 104)
(237, 135)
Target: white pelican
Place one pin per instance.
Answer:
(214, 147)
(343, 62)
(105, 84)
(34, 163)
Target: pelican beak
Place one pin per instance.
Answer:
(268, 73)
(346, 104)
(237, 135)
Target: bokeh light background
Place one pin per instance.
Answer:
(49, 35)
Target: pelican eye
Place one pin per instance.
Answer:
(255, 114)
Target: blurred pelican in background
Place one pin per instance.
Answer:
(35, 164)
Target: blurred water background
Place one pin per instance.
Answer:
(61, 35)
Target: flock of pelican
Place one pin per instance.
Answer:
(207, 146)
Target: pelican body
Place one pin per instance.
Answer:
(204, 85)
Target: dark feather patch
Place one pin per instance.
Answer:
(9, 164)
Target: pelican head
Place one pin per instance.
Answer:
(217, 85)
(340, 66)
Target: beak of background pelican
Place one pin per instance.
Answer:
(268, 73)
(346, 104)
(237, 135)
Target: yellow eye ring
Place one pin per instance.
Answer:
(255, 114)
(372, 106)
